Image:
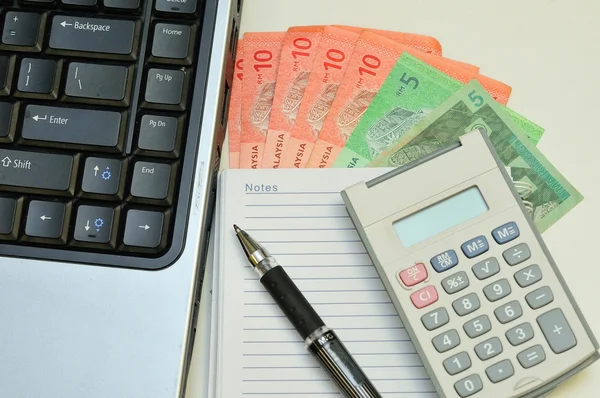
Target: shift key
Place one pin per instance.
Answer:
(32, 171)
(77, 127)
(93, 35)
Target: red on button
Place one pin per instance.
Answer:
(413, 275)
(424, 297)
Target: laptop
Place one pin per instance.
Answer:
(112, 116)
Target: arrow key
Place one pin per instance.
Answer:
(94, 224)
(101, 177)
(144, 229)
(45, 221)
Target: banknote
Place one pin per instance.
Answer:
(411, 91)
(295, 64)
(329, 66)
(422, 43)
(234, 121)
(373, 59)
(261, 61)
(547, 194)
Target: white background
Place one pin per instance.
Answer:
(549, 52)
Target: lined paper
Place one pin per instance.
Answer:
(305, 226)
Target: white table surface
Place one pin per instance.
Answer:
(549, 52)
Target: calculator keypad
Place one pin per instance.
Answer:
(497, 290)
(455, 283)
(467, 304)
(552, 323)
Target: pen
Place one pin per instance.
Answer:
(321, 341)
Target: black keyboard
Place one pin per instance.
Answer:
(96, 150)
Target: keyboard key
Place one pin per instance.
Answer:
(444, 261)
(475, 247)
(22, 29)
(8, 120)
(508, 312)
(497, 290)
(488, 349)
(73, 126)
(435, 319)
(466, 305)
(413, 275)
(424, 297)
(531, 356)
(7, 66)
(159, 133)
(122, 4)
(478, 326)
(457, 363)
(176, 6)
(506, 233)
(93, 35)
(468, 386)
(165, 87)
(446, 341)
(500, 371)
(539, 297)
(520, 334)
(94, 224)
(486, 268)
(152, 181)
(101, 176)
(144, 229)
(38, 76)
(455, 283)
(517, 254)
(9, 216)
(45, 219)
(82, 3)
(32, 171)
(97, 82)
(171, 41)
(528, 276)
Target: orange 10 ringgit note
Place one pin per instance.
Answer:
(297, 55)
(234, 122)
(261, 61)
(329, 66)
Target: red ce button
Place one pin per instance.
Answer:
(424, 297)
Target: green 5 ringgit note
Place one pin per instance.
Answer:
(411, 91)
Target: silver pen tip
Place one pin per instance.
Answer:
(254, 251)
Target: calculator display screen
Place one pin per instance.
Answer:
(440, 216)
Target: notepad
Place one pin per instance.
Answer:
(299, 216)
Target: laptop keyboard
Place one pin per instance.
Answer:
(94, 104)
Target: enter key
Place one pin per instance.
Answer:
(73, 127)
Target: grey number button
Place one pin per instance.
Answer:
(435, 319)
(467, 304)
(497, 290)
(557, 331)
(446, 341)
(528, 276)
(500, 371)
(489, 348)
(539, 297)
(508, 312)
(468, 386)
(486, 268)
(520, 334)
(517, 254)
(457, 363)
(478, 326)
(531, 356)
(455, 283)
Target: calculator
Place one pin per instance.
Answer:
(470, 276)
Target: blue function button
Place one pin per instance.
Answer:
(475, 246)
(444, 261)
(506, 233)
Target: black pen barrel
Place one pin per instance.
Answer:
(291, 301)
